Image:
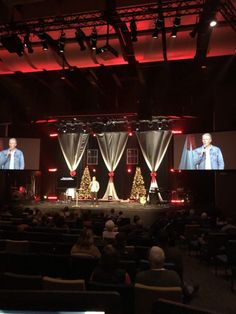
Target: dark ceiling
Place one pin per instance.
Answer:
(191, 76)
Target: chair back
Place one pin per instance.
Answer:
(145, 296)
(13, 246)
(13, 281)
(50, 283)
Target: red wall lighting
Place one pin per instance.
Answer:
(52, 170)
(129, 170)
(53, 134)
(177, 131)
(52, 198)
(177, 201)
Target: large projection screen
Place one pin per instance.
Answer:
(30, 147)
(185, 146)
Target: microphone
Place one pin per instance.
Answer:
(204, 150)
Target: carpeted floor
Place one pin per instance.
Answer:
(214, 293)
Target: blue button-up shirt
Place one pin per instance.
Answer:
(216, 157)
(19, 163)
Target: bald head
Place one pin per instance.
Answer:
(12, 143)
(156, 257)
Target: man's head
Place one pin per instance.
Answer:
(12, 143)
(206, 139)
(156, 257)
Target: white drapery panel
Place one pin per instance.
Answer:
(153, 145)
(112, 145)
(73, 146)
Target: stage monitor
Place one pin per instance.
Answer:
(205, 151)
(19, 153)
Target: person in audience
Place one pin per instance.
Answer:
(229, 227)
(112, 215)
(172, 254)
(108, 270)
(120, 216)
(110, 231)
(157, 275)
(85, 245)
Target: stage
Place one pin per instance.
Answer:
(148, 212)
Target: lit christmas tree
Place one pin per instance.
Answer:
(138, 188)
(84, 191)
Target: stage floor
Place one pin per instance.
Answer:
(148, 212)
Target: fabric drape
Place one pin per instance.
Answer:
(153, 145)
(112, 145)
(73, 146)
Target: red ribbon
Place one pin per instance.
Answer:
(72, 173)
(111, 175)
(153, 175)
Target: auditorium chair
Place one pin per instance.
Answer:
(13, 281)
(50, 283)
(170, 307)
(146, 296)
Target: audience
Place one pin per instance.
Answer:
(85, 245)
(157, 275)
(108, 270)
(110, 230)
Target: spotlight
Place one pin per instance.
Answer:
(93, 39)
(133, 30)
(13, 44)
(176, 25)
(61, 42)
(177, 20)
(27, 43)
(158, 27)
(213, 23)
(174, 33)
(155, 33)
(79, 35)
(44, 41)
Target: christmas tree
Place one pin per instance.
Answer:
(84, 191)
(138, 188)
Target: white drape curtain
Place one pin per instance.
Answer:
(153, 145)
(112, 145)
(73, 146)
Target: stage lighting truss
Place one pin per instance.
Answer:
(113, 125)
(130, 14)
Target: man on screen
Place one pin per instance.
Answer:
(12, 158)
(208, 156)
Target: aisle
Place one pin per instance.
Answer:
(214, 293)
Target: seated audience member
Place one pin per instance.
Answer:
(108, 271)
(110, 230)
(85, 245)
(172, 254)
(120, 216)
(86, 220)
(112, 215)
(157, 275)
(229, 227)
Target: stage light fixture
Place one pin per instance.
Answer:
(93, 39)
(133, 30)
(61, 42)
(27, 43)
(176, 25)
(44, 41)
(13, 44)
(107, 52)
(155, 33)
(213, 23)
(158, 26)
(79, 36)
